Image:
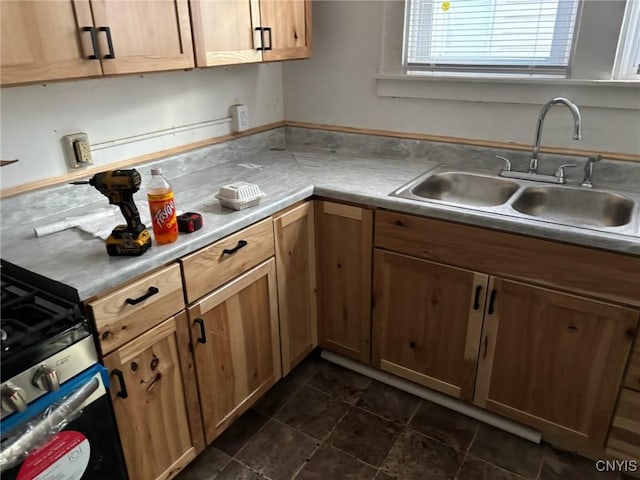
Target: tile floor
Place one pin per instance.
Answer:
(324, 422)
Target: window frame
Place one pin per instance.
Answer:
(589, 83)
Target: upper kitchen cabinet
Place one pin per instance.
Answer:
(229, 32)
(45, 40)
(143, 36)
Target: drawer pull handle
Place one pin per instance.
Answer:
(476, 301)
(492, 301)
(123, 387)
(94, 43)
(150, 293)
(111, 53)
(203, 333)
(231, 251)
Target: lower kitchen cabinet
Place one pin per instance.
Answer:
(236, 345)
(296, 274)
(147, 391)
(624, 437)
(427, 321)
(344, 238)
(553, 361)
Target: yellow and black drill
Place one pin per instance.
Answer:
(118, 186)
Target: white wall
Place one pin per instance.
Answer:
(337, 86)
(34, 118)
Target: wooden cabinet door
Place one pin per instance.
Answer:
(344, 237)
(553, 361)
(296, 275)
(149, 403)
(427, 321)
(236, 344)
(290, 24)
(43, 40)
(147, 35)
(224, 31)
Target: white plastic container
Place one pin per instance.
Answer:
(240, 195)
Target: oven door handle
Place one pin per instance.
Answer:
(14, 452)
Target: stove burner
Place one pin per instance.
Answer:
(35, 322)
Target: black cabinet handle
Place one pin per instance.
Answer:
(476, 301)
(203, 333)
(123, 388)
(231, 251)
(151, 292)
(94, 42)
(492, 300)
(261, 30)
(111, 53)
(270, 47)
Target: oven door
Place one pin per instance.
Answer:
(69, 434)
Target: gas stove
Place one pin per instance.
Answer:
(44, 339)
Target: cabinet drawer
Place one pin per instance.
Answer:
(593, 272)
(218, 263)
(129, 311)
(632, 379)
(624, 438)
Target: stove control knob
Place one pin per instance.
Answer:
(13, 399)
(46, 378)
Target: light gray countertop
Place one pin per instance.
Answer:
(286, 176)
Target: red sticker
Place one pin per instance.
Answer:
(64, 457)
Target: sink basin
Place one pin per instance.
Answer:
(466, 188)
(575, 206)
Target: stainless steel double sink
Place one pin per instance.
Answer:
(604, 209)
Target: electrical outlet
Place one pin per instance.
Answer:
(77, 150)
(239, 118)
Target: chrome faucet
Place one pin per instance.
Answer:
(588, 171)
(577, 127)
(532, 173)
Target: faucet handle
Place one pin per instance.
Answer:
(560, 171)
(507, 162)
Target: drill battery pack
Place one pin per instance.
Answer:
(122, 243)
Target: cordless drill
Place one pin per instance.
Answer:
(118, 186)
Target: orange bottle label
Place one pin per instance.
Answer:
(163, 213)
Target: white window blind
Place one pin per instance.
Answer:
(492, 36)
(627, 66)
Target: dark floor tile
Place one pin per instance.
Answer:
(312, 412)
(444, 424)
(383, 476)
(340, 382)
(277, 451)
(389, 402)
(240, 432)
(507, 451)
(282, 391)
(476, 469)
(236, 471)
(416, 457)
(365, 436)
(558, 465)
(328, 463)
(206, 466)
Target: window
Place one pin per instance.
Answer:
(490, 36)
(627, 66)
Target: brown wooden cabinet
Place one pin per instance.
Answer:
(45, 40)
(147, 392)
(553, 361)
(427, 320)
(294, 236)
(624, 437)
(236, 345)
(243, 31)
(343, 251)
